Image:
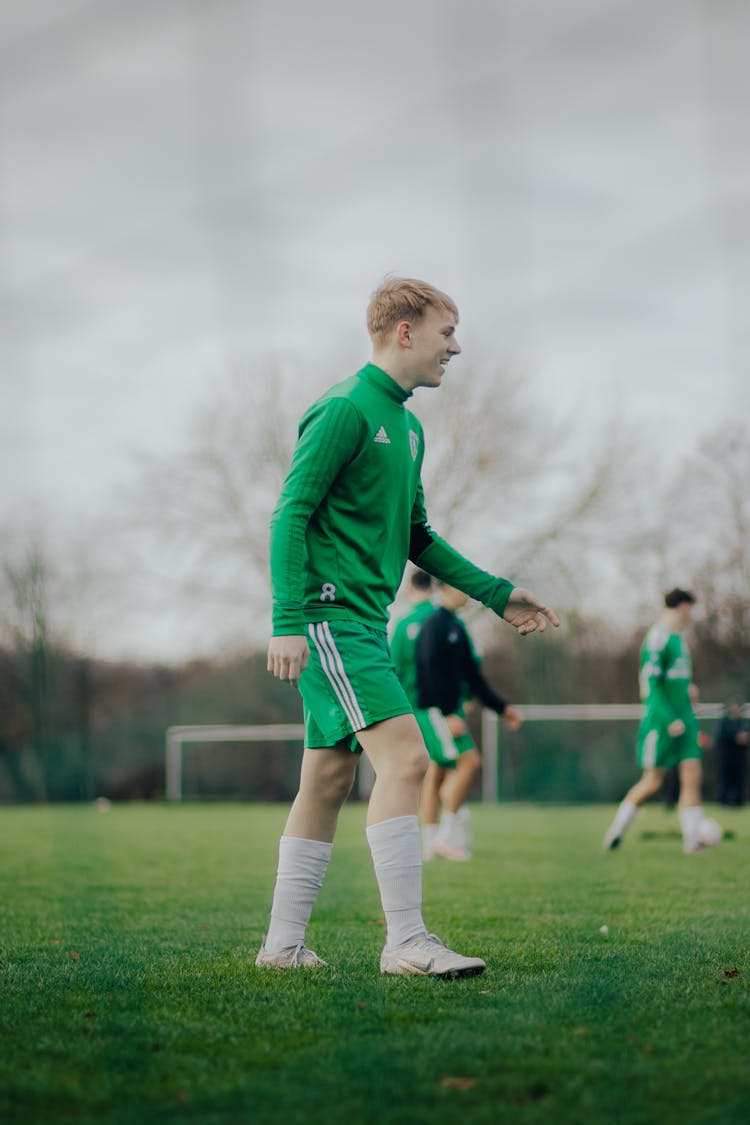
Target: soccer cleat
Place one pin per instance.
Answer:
(446, 849)
(296, 957)
(612, 840)
(426, 956)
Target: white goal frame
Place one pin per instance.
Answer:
(491, 736)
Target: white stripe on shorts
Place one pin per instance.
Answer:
(333, 666)
(439, 725)
(649, 749)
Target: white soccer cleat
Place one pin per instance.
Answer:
(296, 957)
(446, 849)
(612, 839)
(426, 956)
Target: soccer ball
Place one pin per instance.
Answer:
(710, 832)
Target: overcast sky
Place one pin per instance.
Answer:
(184, 185)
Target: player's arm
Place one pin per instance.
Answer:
(328, 439)
(471, 674)
(514, 604)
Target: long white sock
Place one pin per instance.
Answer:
(690, 822)
(302, 865)
(449, 828)
(624, 817)
(397, 858)
(429, 832)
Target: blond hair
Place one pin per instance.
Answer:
(403, 298)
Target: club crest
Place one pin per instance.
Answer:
(413, 444)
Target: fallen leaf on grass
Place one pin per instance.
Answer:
(580, 1031)
(484, 992)
(735, 972)
(74, 955)
(379, 922)
(458, 1083)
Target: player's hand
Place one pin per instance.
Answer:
(512, 718)
(455, 725)
(676, 728)
(694, 694)
(527, 614)
(287, 657)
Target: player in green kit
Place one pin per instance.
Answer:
(350, 514)
(668, 734)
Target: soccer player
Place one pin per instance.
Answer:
(350, 514)
(668, 734)
(449, 672)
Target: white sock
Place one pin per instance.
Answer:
(302, 865)
(449, 827)
(429, 832)
(397, 858)
(690, 822)
(624, 817)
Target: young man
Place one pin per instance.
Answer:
(449, 672)
(350, 513)
(668, 734)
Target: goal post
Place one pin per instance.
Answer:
(178, 736)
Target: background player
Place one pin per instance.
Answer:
(448, 673)
(351, 512)
(668, 734)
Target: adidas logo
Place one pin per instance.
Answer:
(382, 437)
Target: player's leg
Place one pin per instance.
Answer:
(304, 851)
(443, 753)
(449, 842)
(649, 783)
(331, 711)
(397, 752)
(429, 807)
(691, 811)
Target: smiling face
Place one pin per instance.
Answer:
(427, 344)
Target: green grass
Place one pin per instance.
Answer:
(128, 992)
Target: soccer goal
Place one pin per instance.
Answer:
(493, 738)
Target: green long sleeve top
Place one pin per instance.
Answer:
(351, 512)
(665, 677)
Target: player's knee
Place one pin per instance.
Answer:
(472, 760)
(413, 762)
(331, 783)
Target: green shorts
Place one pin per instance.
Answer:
(444, 749)
(349, 683)
(657, 750)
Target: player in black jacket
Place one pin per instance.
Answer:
(449, 673)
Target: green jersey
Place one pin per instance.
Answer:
(404, 646)
(352, 511)
(665, 677)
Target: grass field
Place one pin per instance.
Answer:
(129, 993)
